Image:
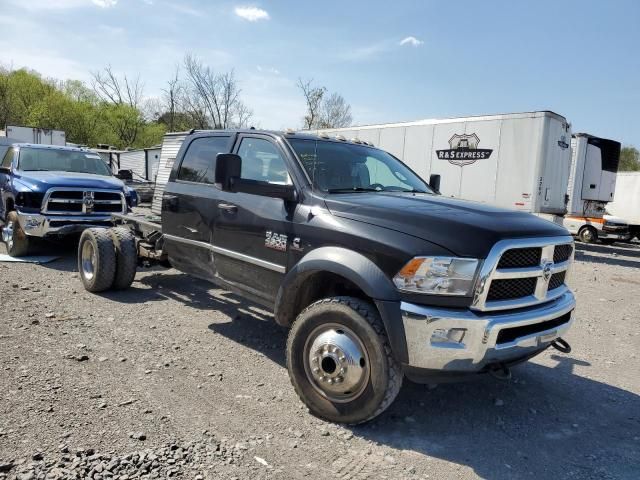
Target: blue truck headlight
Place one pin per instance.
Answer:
(438, 276)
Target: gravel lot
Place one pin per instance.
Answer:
(174, 378)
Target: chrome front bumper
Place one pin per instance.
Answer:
(37, 225)
(625, 235)
(463, 341)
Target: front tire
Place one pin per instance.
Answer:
(588, 234)
(340, 362)
(17, 242)
(96, 260)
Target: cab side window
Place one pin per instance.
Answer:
(7, 159)
(261, 160)
(199, 162)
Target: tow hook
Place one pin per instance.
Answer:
(501, 372)
(561, 345)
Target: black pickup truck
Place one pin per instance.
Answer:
(377, 276)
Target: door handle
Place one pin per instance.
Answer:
(228, 207)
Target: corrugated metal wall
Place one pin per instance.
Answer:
(134, 160)
(170, 147)
(153, 162)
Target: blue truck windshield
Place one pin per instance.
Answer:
(40, 159)
(346, 167)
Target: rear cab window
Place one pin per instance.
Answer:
(199, 162)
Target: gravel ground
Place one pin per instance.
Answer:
(174, 378)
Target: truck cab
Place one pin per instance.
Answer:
(377, 276)
(592, 184)
(48, 191)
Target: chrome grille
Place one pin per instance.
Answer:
(520, 257)
(74, 201)
(562, 253)
(523, 272)
(557, 280)
(511, 288)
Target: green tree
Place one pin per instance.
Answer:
(629, 159)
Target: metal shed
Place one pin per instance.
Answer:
(170, 146)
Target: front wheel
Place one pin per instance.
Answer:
(340, 362)
(17, 242)
(588, 234)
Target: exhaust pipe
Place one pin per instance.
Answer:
(561, 345)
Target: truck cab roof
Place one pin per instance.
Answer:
(48, 147)
(287, 134)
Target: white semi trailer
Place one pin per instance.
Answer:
(44, 136)
(592, 184)
(626, 202)
(518, 160)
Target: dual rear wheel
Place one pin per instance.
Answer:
(107, 259)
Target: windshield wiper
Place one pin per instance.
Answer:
(353, 189)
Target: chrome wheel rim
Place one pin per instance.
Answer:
(7, 235)
(336, 362)
(587, 235)
(88, 260)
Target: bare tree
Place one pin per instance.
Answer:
(243, 115)
(124, 97)
(335, 112)
(313, 96)
(171, 97)
(118, 91)
(216, 94)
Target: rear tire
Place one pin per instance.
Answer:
(17, 242)
(340, 362)
(588, 234)
(96, 260)
(126, 257)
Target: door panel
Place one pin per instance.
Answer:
(252, 239)
(190, 205)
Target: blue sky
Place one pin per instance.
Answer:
(578, 58)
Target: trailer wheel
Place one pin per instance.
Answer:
(126, 257)
(340, 361)
(96, 260)
(588, 234)
(17, 242)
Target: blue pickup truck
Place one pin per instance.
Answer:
(48, 191)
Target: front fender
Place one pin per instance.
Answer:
(359, 270)
(351, 265)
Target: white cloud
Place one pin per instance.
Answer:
(104, 3)
(272, 70)
(252, 14)
(413, 41)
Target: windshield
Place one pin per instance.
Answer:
(345, 167)
(41, 159)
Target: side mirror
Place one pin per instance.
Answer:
(434, 182)
(228, 167)
(124, 175)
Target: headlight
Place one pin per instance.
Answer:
(29, 200)
(437, 276)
